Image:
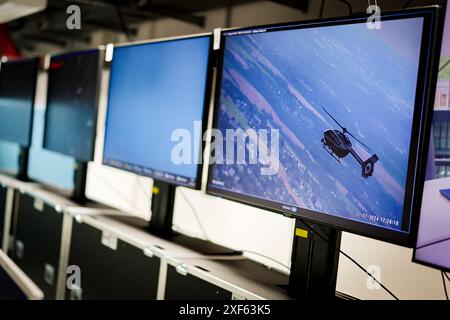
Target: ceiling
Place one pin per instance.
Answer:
(49, 26)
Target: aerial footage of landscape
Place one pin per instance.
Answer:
(365, 78)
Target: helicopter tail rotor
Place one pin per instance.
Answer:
(368, 166)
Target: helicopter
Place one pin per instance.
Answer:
(337, 143)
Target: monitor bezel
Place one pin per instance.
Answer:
(446, 19)
(206, 106)
(420, 130)
(36, 60)
(100, 63)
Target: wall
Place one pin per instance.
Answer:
(244, 227)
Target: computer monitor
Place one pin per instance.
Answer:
(17, 93)
(158, 99)
(72, 101)
(323, 120)
(14, 284)
(433, 240)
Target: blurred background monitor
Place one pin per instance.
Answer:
(72, 104)
(433, 241)
(331, 114)
(14, 284)
(17, 93)
(158, 94)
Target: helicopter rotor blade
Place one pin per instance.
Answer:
(343, 128)
(362, 143)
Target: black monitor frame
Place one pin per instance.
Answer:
(420, 130)
(24, 152)
(207, 101)
(446, 19)
(100, 56)
(36, 66)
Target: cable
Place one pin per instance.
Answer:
(322, 8)
(447, 276)
(123, 24)
(407, 4)
(115, 189)
(205, 234)
(433, 243)
(352, 260)
(444, 66)
(350, 10)
(197, 218)
(268, 258)
(445, 285)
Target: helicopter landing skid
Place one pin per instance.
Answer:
(331, 153)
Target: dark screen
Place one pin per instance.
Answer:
(17, 91)
(71, 114)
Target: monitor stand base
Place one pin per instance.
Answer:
(163, 201)
(315, 260)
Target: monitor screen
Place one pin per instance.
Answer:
(72, 100)
(321, 120)
(17, 92)
(157, 103)
(14, 284)
(433, 240)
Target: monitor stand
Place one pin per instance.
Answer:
(315, 260)
(80, 178)
(163, 201)
(22, 172)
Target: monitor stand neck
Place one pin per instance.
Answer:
(80, 178)
(163, 201)
(24, 155)
(315, 260)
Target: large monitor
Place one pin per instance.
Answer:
(14, 284)
(72, 104)
(17, 93)
(433, 240)
(324, 120)
(158, 100)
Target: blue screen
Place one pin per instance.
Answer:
(156, 89)
(342, 99)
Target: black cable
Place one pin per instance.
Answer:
(444, 65)
(322, 8)
(445, 285)
(433, 243)
(447, 276)
(123, 24)
(352, 260)
(407, 4)
(349, 6)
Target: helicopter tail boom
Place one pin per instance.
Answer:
(367, 166)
